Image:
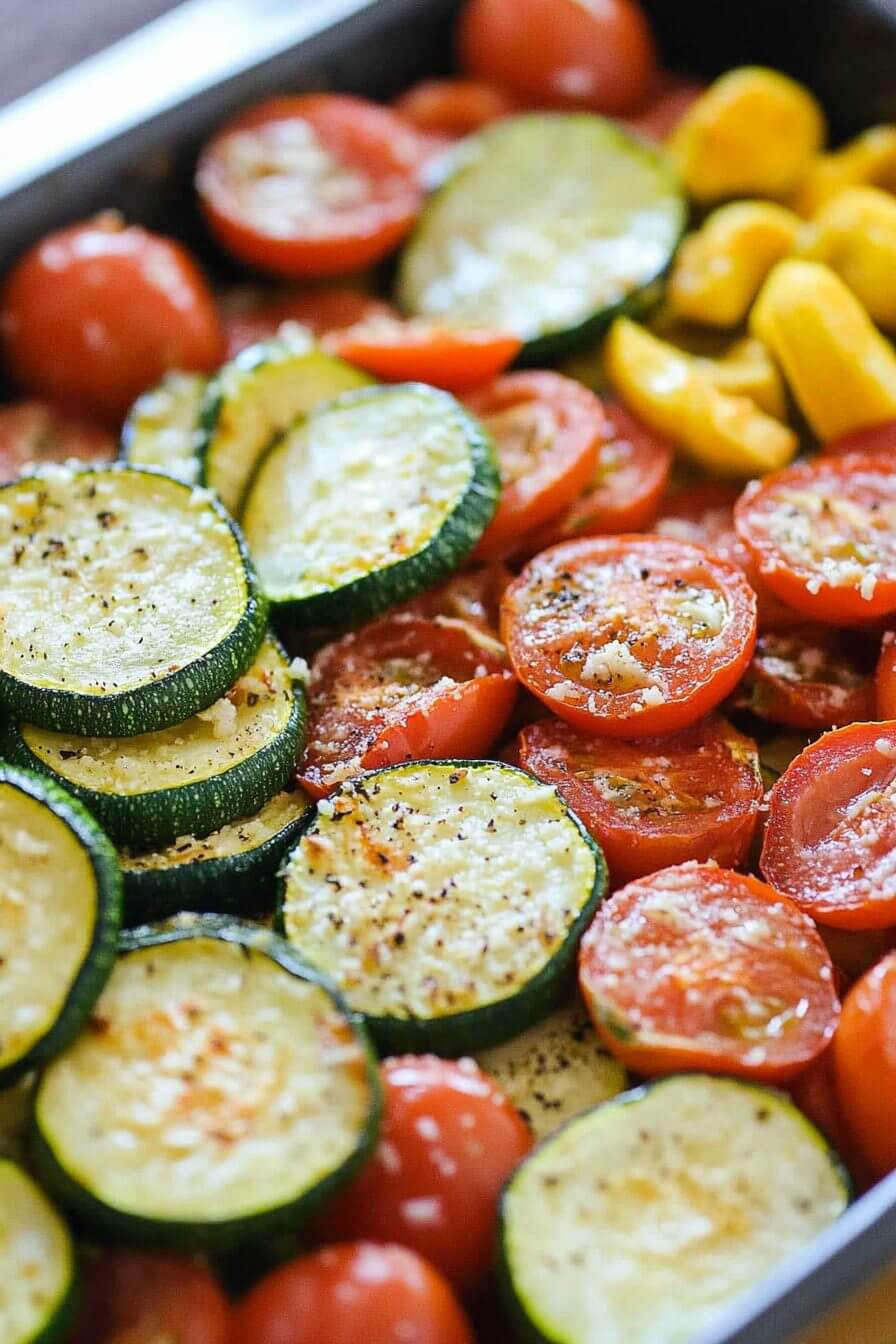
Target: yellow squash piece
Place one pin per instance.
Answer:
(754, 132)
(839, 367)
(719, 269)
(746, 369)
(670, 392)
(855, 234)
(867, 161)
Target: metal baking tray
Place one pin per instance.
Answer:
(122, 130)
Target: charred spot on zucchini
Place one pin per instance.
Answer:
(645, 1218)
(253, 398)
(127, 600)
(367, 501)
(162, 427)
(552, 225)
(37, 1261)
(60, 913)
(223, 763)
(219, 1094)
(445, 899)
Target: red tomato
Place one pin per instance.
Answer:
(95, 314)
(629, 636)
(809, 677)
(700, 968)
(596, 54)
(823, 535)
(453, 108)
(885, 679)
(419, 352)
(865, 1065)
(403, 689)
(258, 317)
(31, 432)
(830, 843)
(815, 1092)
(135, 1297)
(855, 951)
(358, 1293)
(878, 440)
(633, 465)
(317, 184)
(547, 430)
(473, 596)
(672, 96)
(450, 1139)
(658, 801)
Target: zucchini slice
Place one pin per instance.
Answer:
(644, 1219)
(369, 500)
(555, 1069)
(225, 762)
(445, 899)
(127, 600)
(15, 1117)
(162, 428)
(231, 871)
(219, 1095)
(60, 913)
(553, 225)
(37, 1263)
(254, 398)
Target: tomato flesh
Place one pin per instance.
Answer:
(473, 596)
(135, 1297)
(809, 677)
(696, 967)
(32, 432)
(256, 317)
(416, 351)
(864, 1065)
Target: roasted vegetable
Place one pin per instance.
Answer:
(719, 269)
(867, 161)
(855, 234)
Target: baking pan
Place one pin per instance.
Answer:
(122, 130)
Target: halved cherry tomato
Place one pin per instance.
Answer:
(823, 535)
(473, 596)
(567, 53)
(32, 432)
(831, 834)
(136, 1297)
(885, 679)
(697, 967)
(449, 1141)
(633, 465)
(878, 440)
(629, 636)
(357, 1293)
(317, 184)
(547, 430)
(865, 1065)
(672, 96)
(258, 317)
(809, 677)
(95, 314)
(855, 951)
(411, 351)
(815, 1092)
(403, 689)
(656, 802)
(453, 108)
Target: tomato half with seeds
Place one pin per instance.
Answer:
(311, 185)
(420, 352)
(403, 689)
(865, 1067)
(137, 1297)
(878, 440)
(810, 677)
(697, 967)
(547, 431)
(629, 636)
(33, 432)
(453, 108)
(830, 842)
(885, 678)
(658, 801)
(823, 535)
(473, 595)
(258, 316)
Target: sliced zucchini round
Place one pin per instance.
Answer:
(219, 1095)
(367, 501)
(37, 1263)
(225, 762)
(254, 398)
(445, 899)
(553, 225)
(15, 1117)
(645, 1218)
(60, 913)
(555, 1069)
(127, 600)
(231, 871)
(162, 427)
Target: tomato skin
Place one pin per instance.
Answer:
(710, 759)
(136, 1297)
(418, 352)
(96, 313)
(885, 678)
(808, 677)
(561, 53)
(322, 311)
(878, 440)
(450, 1139)
(453, 108)
(356, 1293)
(815, 1093)
(32, 432)
(674, 932)
(865, 1068)
(364, 138)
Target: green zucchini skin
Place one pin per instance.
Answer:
(94, 972)
(171, 698)
(375, 592)
(224, 1235)
(63, 1316)
(152, 820)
